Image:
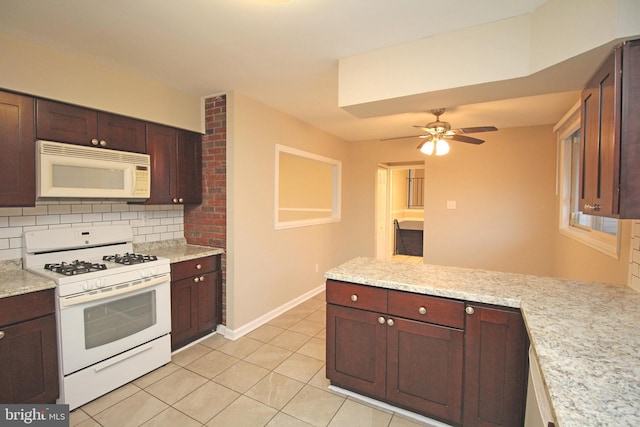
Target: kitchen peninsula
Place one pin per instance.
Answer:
(585, 335)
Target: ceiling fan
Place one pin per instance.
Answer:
(438, 132)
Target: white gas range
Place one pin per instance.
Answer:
(113, 309)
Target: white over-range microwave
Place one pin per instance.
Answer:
(75, 171)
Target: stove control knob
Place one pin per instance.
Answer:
(144, 273)
(86, 286)
(101, 283)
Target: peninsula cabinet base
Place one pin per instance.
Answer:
(463, 364)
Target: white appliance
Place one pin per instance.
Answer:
(113, 309)
(76, 171)
(538, 410)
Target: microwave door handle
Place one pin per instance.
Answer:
(85, 298)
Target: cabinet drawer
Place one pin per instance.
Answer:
(357, 296)
(23, 307)
(183, 269)
(426, 308)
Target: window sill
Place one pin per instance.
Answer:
(608, 245)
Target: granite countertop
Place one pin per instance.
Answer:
(176, 250)
(585, 335)
(16, 281)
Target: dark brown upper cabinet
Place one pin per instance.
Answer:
(610, 137)
(17, 143)
(176, 165)
(56, 121)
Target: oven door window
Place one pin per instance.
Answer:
(114, 320)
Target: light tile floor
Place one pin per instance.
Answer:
(273, 376)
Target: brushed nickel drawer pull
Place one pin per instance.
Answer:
(422, 310)
(354, 297)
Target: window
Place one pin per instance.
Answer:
(597, 232)
(307, 188)
(415, 189)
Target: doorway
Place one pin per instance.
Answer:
(400, 211)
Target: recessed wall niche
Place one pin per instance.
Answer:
(307, 188)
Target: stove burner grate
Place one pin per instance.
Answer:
(74, 267)
(129, 258)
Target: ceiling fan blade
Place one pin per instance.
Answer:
(464, 138)
(477, 129)
(405, 137)
(426, 129)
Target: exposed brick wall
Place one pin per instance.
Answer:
(206, 224)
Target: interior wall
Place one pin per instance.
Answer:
(575, 260)
(62, 76)
(267, 268)
(505, 196)
(506, 217)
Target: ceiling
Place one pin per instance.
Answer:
(283, 53)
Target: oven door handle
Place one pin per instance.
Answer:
(102, 294)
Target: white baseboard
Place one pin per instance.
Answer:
(408, 414)
(234, 334)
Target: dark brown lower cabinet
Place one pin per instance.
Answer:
(463, 369)
(496, 367)
(411, 364)
(28, 349)
(196, 299)
(424, 368)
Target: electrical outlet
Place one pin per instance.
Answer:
(451, 204)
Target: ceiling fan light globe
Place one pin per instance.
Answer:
(442, 147)
(427, 148)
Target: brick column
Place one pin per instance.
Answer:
(206, 224)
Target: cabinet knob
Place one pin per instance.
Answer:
(181, 200)
(94, 142)
(1, 334)
(198, 266)
(196, 279)
(422, 310)
(381, 320)
(103, 143)
(469, 310)
(354, 297)
(390, 322)
(202, 278)
(174, 200)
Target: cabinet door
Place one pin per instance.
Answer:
(184, 313)
(17, 143)
(29, 362)
(496, 367)
(161, 147)
(209, 291)
(60, 122)
(600, 162)
(356, 350)
(189, 176)
(122, 133)
(424, 368)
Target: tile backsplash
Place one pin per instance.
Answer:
(149, 223)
